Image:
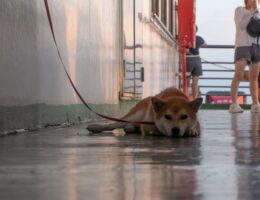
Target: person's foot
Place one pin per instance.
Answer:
(235, 108)
(255, 108)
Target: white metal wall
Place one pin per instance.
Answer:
(160, 58)
(90, 36)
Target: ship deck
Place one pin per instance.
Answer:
(70, 163)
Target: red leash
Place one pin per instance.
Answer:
(71, 82)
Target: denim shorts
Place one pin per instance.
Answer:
(194, 65)
(251, 54)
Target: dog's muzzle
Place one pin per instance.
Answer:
(175, 132)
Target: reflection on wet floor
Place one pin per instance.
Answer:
(223, 163)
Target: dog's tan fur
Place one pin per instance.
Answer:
(170, 110)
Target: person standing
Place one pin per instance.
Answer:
(247, 52)
(194, 67)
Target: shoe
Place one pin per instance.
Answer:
(255, 108)
(235, 108)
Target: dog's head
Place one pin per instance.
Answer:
(175, 116)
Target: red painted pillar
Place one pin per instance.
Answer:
(186, 33)
(183, 51)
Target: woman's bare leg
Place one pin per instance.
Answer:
(239, 73)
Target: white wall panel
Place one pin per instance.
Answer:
(34, 87)
(88, 36)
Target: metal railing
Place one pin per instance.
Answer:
(216, 69)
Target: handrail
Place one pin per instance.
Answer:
(218, 70)
(220, 86)
(218, 62)
(215, 78)
(216, 46)
(213, 70)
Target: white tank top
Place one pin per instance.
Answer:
(242, 17)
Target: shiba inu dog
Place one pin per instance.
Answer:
(171, 111)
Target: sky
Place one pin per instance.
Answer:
(215, 20)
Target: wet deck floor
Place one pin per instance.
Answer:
(60, 164)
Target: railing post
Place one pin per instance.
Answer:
(183, 64)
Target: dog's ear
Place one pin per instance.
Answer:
(157, 104)
(195, 104)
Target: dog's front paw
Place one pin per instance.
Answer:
(119, 132)
(194, 132)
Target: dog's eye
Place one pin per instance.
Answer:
(183, 117)
(169, 117)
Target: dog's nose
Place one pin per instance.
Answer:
(175, 132)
